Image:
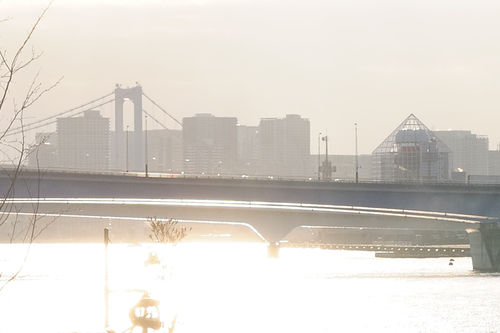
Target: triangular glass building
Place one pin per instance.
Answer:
(411, 153)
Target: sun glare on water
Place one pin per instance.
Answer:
(235, 287)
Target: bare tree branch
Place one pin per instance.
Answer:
(167, 232)
(11, 65)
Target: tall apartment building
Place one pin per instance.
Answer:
(284, 146)
(209, 144)
(248, 149)
(83, 142)
(494, 163)
(164, 150)
(469, 151)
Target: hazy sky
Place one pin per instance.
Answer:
(335, 62)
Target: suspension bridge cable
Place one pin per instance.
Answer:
(20, 128)
(51, 120)
(39, 124)
(43, 123)
(162, 109)
(165, 127)
(176, 138)
(156, 120)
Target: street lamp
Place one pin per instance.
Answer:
(146, 145)
(319, 156)
(327, 166)
(126, 151)
(356, 150)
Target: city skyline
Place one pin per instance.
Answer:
(313, 68)
(349, 140)
(278, 147)
(108, 111)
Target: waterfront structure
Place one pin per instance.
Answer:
(469, 152)
(411, 152)
(284, 146)
(209, 144)
(83, 142)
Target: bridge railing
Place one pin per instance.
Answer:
(174, 174)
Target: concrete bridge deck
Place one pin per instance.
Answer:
(480, 200)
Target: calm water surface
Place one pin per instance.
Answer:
(233, 287)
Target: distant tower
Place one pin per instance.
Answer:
(134, 94)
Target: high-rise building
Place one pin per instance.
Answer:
(164, 150)
(248, 149)
(494, 163)
(469, 152)
(209, 144)
(411, 153)
(83, 142)
(284, 146)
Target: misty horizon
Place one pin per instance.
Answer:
(333, 63)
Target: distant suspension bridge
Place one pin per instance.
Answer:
(118, 96)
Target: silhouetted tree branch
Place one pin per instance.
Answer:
(167, 232)
(16, 151)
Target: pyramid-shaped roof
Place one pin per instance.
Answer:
(410, 131)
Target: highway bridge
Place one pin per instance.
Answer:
(481, 200)
(271, 207)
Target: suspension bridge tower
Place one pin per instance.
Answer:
(136, 145)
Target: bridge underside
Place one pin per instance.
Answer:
(270, 221)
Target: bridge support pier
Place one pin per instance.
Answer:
(485, 247)
(273, 249)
